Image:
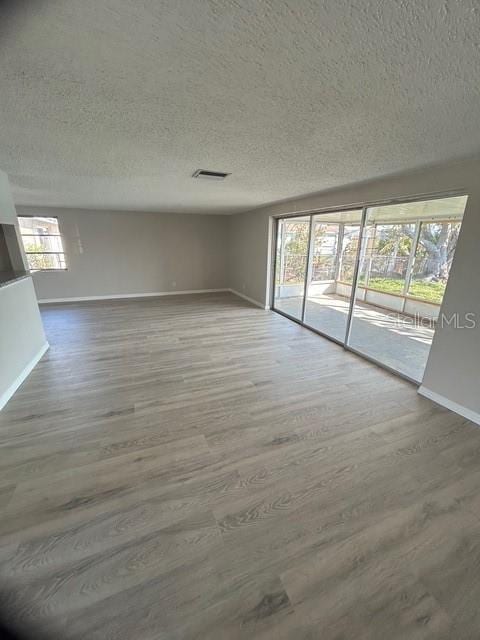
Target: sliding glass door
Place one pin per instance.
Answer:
(334, 242)
(291, 265)
(404, 266)
(372, 279)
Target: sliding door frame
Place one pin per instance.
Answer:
(364, 209)
(308, 266)
(353, 293)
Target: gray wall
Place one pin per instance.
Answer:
(21, 331)
(119, 253)
(250, 254)
(453, 369)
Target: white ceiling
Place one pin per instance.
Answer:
(114, 104)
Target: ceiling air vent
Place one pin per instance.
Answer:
(210, 175)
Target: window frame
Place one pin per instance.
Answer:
(43, 253)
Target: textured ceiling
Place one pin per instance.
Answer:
(114, 104)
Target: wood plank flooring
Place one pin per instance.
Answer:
(196, 468)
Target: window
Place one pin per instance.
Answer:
(42, 243)
(386, 257)
(324, 251)
(351, 235)
(433, 259)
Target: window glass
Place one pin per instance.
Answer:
(42, 243)
(433, 260)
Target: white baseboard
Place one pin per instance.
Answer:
(154, 294)
(122, 296)
(255, 302)
(6, 395)
(449, 404)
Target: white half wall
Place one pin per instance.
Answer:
(22, 340)
(453, 368)
(119, 253)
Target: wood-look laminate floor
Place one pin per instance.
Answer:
(196, 468)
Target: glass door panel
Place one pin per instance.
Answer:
(333, 251)
(291, 265)
(406, 255)
(433, 260)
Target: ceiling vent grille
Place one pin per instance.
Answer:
(210, 175)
